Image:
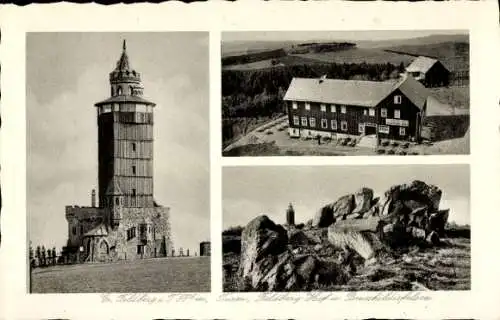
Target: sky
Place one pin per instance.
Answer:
(331, 35)
(251, 191)
(66, 74)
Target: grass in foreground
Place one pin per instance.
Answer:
(153, 275)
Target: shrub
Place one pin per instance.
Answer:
(405, 145)
(261, 130)
(344, 142)
(348, 139)
(391, 151)
(269, 132)
(402, 153)
(380, 151)
(414, 153)
(384, 143)
(352, 143)
(395, 143)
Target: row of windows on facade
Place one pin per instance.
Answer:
(343, 125)
(343, 108)
(119, 91)
(125, 107)
(143, 229)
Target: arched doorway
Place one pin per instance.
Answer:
(102, 251)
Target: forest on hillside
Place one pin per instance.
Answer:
(257, 93)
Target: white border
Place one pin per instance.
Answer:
(481, 18)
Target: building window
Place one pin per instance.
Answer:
(133, 192)
(402, 131)
(343, 109)
(312, 122)
(139, 249)
(117, 201)
(133, 146)
(333, 108)
(334, 124)
(81, 229)
(324, 123)
(365, 112)
(323, 107)
(296, 120)
(308, 106)
(343, 125)
(303, 121)
(361, 128)
(133, 170)
(371, 112)
(119, 91)
(397, 114)
(397, 99)
(294, 105)
(74, 230)
(383, 129)
(383, 113)
(131, 233)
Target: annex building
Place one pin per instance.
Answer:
(429, 71)
(126, 223)
(341, 108)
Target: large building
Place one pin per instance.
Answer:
(343, 108)
(430, 72)
(126, 223)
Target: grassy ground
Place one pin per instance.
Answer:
(152, 275)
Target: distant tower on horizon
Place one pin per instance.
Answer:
(290, 215)
(127, 223)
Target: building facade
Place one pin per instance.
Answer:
(127, 223)
(430, 72)
(345, 108)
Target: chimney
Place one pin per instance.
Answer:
(93, 198)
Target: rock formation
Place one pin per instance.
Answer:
(356, 226)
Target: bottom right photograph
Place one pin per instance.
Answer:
(346, 228)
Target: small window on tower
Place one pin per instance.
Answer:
(133, 192)
(133, 146)
(119, 91)
(117, 201)
(74, 230)
(133, 170)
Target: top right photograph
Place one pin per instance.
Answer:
(345, 93)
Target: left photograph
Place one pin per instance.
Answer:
(118, 162)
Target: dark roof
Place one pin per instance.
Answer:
(98, 231)
(125, 98)
(354, 92)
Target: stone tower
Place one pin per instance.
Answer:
(125, 138)
(127, 223)
(290, 215)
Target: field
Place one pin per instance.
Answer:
(152, 275)
(290, 60)
(359, 55)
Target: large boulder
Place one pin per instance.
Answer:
(362, 238)
(417, 194)
(362, 200)
(261, 241)
(438, 220)
(328, 214)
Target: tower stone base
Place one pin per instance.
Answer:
(140, 233)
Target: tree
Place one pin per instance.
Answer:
(39, 255)
(54, 255)
(44, 256)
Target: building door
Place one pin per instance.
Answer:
(102, 251)
(370, 129)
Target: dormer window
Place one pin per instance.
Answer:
(308, 106)
(323, 107)
(294, 105)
